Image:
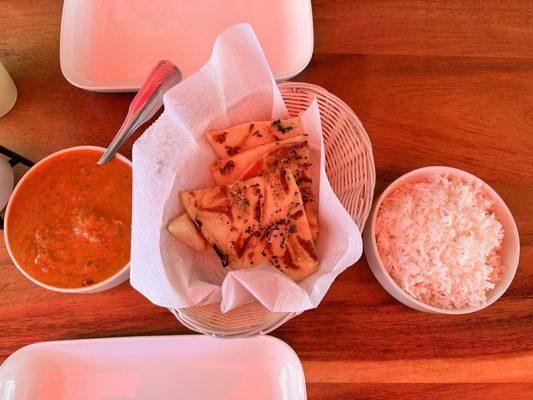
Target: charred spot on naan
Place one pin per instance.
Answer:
(220, 137)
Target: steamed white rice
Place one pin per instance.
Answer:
(439, 241)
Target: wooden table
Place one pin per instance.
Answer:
(435, 83)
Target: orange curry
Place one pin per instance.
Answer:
(70, 221)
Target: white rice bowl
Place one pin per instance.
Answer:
(463, 263)
(439, 241)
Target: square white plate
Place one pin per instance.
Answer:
(112, 45)
(157, 367)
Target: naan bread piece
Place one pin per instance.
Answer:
(184, 229)
(239, 138)
(256, 219)
(289, 242)
(293, 154)
(229, 217)
(231, 169)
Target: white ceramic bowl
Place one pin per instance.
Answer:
(510, 245)
(119, 277)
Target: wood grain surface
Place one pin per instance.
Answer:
(434, 82)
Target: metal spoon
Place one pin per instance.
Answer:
(145, 104)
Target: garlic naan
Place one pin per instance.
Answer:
(293, 154)
(257, 219)
(239, 138)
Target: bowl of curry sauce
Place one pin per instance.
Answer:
(68, 221)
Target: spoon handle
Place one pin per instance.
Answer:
(145, 104)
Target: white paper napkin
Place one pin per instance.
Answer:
(235, 86)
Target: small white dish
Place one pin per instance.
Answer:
(119, 277)
(158, 367)
(111, 46)
(510, 245)
(8, 91)
(7, 181)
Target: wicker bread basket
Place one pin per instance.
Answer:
(351, 171)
